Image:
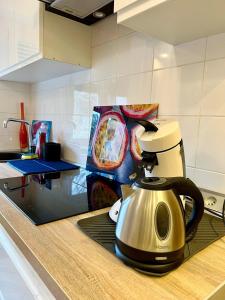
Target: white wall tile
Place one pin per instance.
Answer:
(123, 30)
(166, 55)
(37, 103)
(215, 46)
(104, 61)
(103, 93)
(134, 54)
(81, 130)
(213, 102)
(10, 101)
(15, 86)
(75, 153)
(58, 82)
(190, 173)
(81, 77)
(11, 94)
(189, 132)
(12, 128)
(104, 31)
(75, 129)
(178, 90)
(211, 144)
(134, 89)
(9, 142)
(54, 101)
(78, 100)
(212, 181)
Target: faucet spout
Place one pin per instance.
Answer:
(5, 124)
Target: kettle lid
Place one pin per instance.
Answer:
(155, 183)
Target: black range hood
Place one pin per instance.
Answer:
(84, 11)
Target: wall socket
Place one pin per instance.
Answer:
(213, 200)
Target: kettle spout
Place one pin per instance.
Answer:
(126, 191)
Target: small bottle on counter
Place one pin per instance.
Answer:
(40, 143)
(23, 136)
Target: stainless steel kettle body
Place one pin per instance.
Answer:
(151, 229)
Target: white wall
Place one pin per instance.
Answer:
(188, 81)
(11, 94)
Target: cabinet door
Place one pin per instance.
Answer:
(16, 267)
(26, 29)
(6, 33)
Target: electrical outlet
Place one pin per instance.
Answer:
(213, 200)
(210, 201)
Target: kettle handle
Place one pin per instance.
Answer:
(185, 187)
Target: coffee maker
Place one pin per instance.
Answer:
(162, 146)
(162, 153)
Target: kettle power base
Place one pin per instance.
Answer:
(102, 230)
(149, 269)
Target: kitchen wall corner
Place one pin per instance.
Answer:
(188, 81)
(11, 94)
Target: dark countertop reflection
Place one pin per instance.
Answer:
(44, 198)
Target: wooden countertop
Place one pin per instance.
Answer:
(75, 267)
(6, 171)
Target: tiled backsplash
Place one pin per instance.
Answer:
(11, 94)
(188, 81)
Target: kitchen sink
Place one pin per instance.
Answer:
(6, 156)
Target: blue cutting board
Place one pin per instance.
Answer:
(35, 166)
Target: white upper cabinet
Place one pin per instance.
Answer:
(6, 32)
(37, 45)
(172, 21)
(26, 29)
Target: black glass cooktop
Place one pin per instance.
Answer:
(44, 198)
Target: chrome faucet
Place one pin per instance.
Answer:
(5, 123)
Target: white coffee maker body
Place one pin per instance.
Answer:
(166, 145)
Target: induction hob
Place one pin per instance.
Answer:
(44, 198)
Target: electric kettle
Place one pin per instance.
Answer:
(151, 230)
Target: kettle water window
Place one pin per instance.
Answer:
(162, 221)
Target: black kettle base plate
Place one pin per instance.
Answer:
(149, 269)
(102, 230)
